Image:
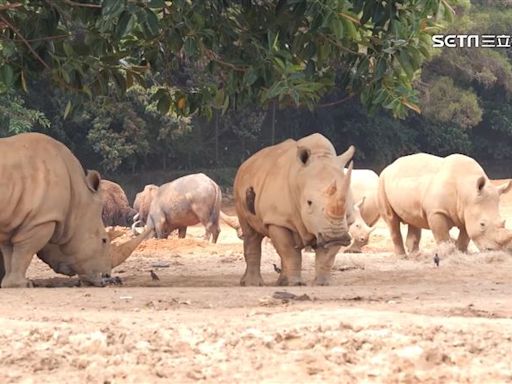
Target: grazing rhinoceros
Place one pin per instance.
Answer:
(364, 186)
(186, 201)
(51, 208)
(116, 209)
(143, 200)
(359, 230)
(294, 193)
(430, 192)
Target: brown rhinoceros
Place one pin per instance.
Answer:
(116, 209)
(430, 192)
(294, 193)
(186, 201)
(50, 207)
(143, 200)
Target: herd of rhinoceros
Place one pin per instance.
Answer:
(298, 193)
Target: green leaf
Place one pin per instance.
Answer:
(403, 59)
(7, 75)
(337, 26)
(164, 103)
(152, 22)
(156, 4)
(125, 24)
(112, 8)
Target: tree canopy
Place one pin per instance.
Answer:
(221, 54)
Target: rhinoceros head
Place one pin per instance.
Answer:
(359, 230)
(89, 252)
(482, 218)
(323, 189)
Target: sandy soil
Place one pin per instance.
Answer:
(383, 319)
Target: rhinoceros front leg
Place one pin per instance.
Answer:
(324, 261)
(17, 258)
(413, 238)
(182, 232)
(463, 240)
(291, 257)
(440, 226)
(252, 254)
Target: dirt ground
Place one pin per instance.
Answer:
(383, 319)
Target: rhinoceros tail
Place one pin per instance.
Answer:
(215, 212)
(250, 197)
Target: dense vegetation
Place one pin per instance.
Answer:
(133, 86)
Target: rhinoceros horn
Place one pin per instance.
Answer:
(504, 237)
(346, 182)
(120, 252)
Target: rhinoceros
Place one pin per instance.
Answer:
(233, 222)
(186, 201)
(116, 209)
(364, 186)
(294, 193)
(143, 200)
(52, 208)
(431, 192)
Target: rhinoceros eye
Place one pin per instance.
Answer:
(482, 226)
(104, 240)
(310, 203)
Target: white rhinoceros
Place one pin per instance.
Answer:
(51, 208)
(430, 192)
(294, 193)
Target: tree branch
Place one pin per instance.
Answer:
(38, 39)
(336, 102)
(15, 30)
(9, 6)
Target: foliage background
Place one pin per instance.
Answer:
(464, 96)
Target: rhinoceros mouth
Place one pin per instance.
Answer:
(332, 243)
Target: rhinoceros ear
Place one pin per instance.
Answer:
(480, 183)
(345, 157)
(303, 154)
(504, 188)
(93, 180)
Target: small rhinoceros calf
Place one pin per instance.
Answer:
(116, 209)
(51, 208)
(143, 200)
(188, 200)
(294, 193)
(430, 192)
(364, 186)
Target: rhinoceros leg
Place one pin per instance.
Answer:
(291, 257)
(440, 226)
(463, 240)
(252, 254)
(17, 258)
(324, 261)
(182, 232)
(412, 241)
(396, 235)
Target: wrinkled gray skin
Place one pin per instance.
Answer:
(188, 200)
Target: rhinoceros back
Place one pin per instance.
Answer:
(37, 175)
